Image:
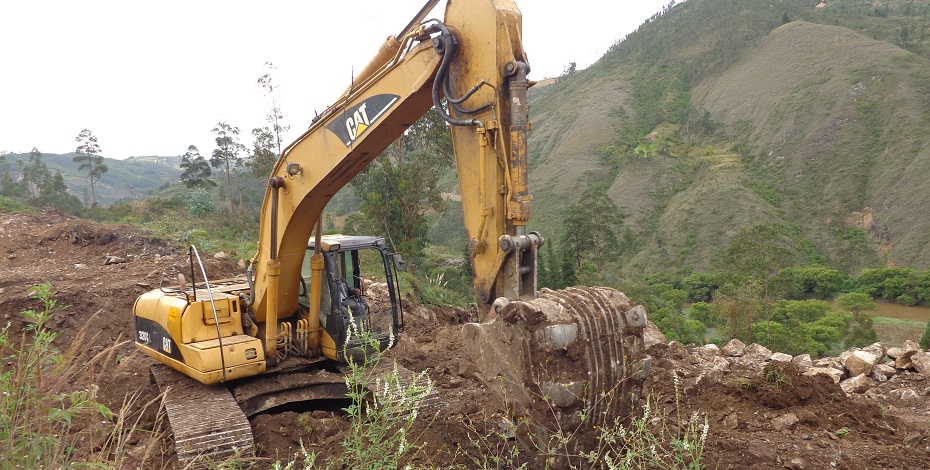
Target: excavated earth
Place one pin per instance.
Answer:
(797, 422)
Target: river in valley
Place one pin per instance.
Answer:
(901, 312)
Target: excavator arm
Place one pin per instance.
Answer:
(475, 61)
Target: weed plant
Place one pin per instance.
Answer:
(39, 401)
(652, 439)
(381, 433)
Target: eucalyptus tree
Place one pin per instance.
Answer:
(195, 171)
(90, 161)
(226, 154)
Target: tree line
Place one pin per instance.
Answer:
(759, 293)
(40, 187)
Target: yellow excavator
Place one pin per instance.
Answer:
(560, 361)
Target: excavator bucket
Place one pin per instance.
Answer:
(564, 365)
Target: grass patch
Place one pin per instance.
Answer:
(893, 331)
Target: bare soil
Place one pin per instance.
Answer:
(879, 430)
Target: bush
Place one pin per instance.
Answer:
(862, 334)
(794, 312)
(701, 286)
(925, 339)
(703, 313)
(12, 205)
(781, 338)
(200, 203)
(675, 327)
(818, 281)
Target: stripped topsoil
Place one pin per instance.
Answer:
(467, 424)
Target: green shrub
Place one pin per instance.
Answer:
(12, 205)
(702, 312)
(863, 333)
(925, 339)
(200, 203)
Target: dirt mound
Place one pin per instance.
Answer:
(779, 418)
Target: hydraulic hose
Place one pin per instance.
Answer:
(448, 45)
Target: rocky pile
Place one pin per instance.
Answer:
(866, 408)
(857, 370)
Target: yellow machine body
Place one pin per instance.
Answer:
(182, 334)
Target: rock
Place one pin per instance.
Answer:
(781, 357)
(708, 352)
(676, 351)
(506, 428)
(833, 362)
(845, 355)
(802, 362)
(80, 266)
(731, 421)
(220, 255)
(893, 352)
(881, 373)
(654, 341)
(921, 361)
(860, 363)
(808, 417)
(796, 463)
(857, 384)
(734, 348)
(834, 374)
(720, 363)
(903, 361)
(904, 394)
(652, 334)
(114, 260)
(882, 370)
(877, 349)
(706, 379)
(877, 376)
(758, 351)
(242, 264)
(785, 421)
(749, 362)
(761, 452)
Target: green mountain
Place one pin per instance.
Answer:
(719, 115)
(131, 178)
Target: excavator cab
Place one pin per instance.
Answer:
(358, 295)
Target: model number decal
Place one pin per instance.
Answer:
(154, 337)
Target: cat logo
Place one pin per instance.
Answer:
(354, 121)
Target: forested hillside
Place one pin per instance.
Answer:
(807, 118)
(132, 178)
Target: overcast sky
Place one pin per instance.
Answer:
(152, 78)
